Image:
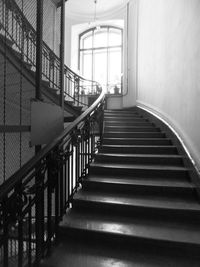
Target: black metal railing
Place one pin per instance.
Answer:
(34, 199)
(16, 28)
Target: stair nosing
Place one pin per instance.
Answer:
(140, 155)
(138, 205)
(186, 185)
(138, 237)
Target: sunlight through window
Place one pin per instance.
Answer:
(100, 57)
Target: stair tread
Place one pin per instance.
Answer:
(151, 201)
(129, 139)
(124, 132)
(139, 166)
(133, 227)
(109, 118)
(132, 146)
(124, 155)
(95, 254)
(132, 126)
(140, 181)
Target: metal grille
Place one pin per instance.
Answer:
(17, 55)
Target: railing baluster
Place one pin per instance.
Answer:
(29, 233)
(39, 218)
(20, 227)
(72, 170)
(64, 185)
(5, 231)
(68, 175)
(61, 178)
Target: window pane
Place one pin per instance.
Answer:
(114, 75)
(100, 38)
(100, 67)
(87, 65)
(115, 37)
(87, 42)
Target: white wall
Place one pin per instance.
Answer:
(130, 56)
(169, 65)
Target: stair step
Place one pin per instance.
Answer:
(76, 251)
(146, 180)
(117, 117)
(132, 229)
(122, 114)
(128, 123)
(69, 118)
(5, 39)
(139, 149)
(70, 102)
(138, 186)
(109, 118)
(131, 129)
(138, 170)
(123, 117)
(145, 206)
(18, 54)
(174, 160)
(120, 111)
(137, 141)
(46, 83)
(171, 182)
(123, 134)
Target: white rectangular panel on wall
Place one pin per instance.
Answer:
(46, 122)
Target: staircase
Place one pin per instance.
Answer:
(138, 205)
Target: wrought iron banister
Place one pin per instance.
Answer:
(34, 199)
(16, 27)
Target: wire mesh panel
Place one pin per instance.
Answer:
(17, 56)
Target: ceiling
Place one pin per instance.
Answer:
(86, 8)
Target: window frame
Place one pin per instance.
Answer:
(92, 49)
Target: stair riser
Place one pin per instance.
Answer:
(165, 173)
(140, 150)
(139, 160)
(125, 123)
(6, 40)
(130, 129)
(150, 142)
(138, 189)
(119, 111)
(137, 243)
(134, 135)
(137, 211)
(122, 114)
(124, 240)
(124, 119)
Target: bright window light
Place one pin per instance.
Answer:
(100, 57)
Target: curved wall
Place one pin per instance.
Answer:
(169, 65)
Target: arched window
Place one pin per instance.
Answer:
(100, 56)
